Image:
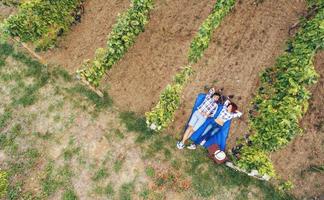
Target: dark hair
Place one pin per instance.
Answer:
(234, 107)
(216, 94)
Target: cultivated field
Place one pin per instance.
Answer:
(59, 139)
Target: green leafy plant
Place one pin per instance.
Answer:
(128, 26)
(201, 41)
(162, 114)
(282, 97)
(41, 21)
(256, 159)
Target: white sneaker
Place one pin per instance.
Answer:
(180, 145)
(202, 142)
(192, 147)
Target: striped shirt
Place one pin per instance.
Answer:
(209, 105)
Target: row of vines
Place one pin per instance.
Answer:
(123, 35)
(282, 97)
(41, 21)
(163, 113)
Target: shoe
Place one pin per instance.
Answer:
(180, 145)
(202, 142)
(192, 147)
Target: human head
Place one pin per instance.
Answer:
(232, 107)
(216, 96)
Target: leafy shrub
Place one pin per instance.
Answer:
(41, 21)
(162, 114)
(282, 97)
(129, 25)
(253, 158)
(201, 41)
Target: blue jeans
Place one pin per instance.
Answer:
(207, 134)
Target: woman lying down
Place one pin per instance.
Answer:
(210, 121)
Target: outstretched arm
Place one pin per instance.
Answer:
(237, 114)
(210, 92)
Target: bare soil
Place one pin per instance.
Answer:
(83, 39)
(294, 162)
(5, 11)
(137, 80)
(248, 41)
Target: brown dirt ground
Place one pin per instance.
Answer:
(293, 161)
(83, 39)
(5, 11)
(248, 41)
(137, 80)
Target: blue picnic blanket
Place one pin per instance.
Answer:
(221, 137)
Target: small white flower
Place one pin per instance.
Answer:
(153, 126)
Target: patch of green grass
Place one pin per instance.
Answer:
(126, 190)
(154, 147)
(55, 178)
(60, 72)
(100, 102)
(71, 150)
(100, 174)
(56, 106)
(6, 49)
(69, 153)
(23, 161)
(136, 124)
(149, 194)
(145, 193)
(108, 190)
(14, 76)
(119, 134)
(69, 194)
(26, 100)
(150, 171)
(27, 94)
(8, 139)
(118, 164)
(176, 164)
(167, 153)
(5, 117)
(15, 191)
(209, 178)
(243, 194)
(44, 136)
(2, 63)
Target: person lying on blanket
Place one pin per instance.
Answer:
(228, 112)
(206, 109)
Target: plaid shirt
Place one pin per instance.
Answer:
(224, 115)
(209, 105)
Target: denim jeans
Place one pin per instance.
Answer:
(207, 134)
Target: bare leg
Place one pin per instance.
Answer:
(187, 134)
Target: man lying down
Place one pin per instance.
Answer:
(210, 122)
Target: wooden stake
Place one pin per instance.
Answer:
(85, 82)
(33, 53)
